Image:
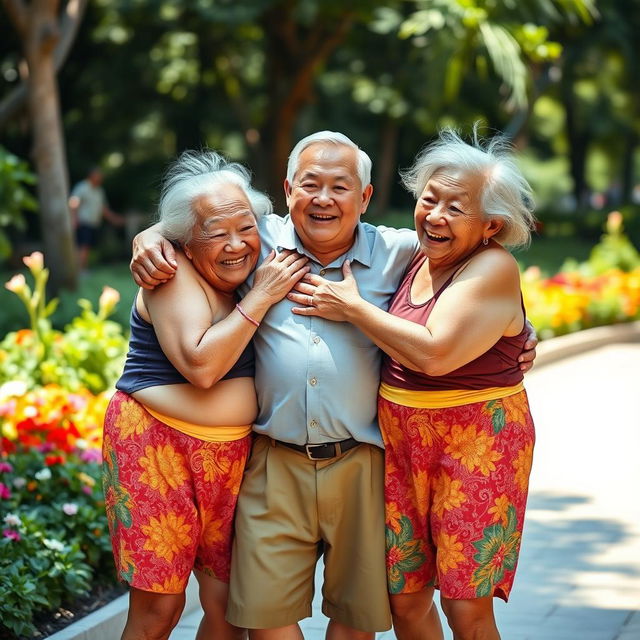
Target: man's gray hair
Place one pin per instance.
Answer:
(330, 137)
(506, 194)
(193, 175)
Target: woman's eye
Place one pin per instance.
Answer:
(454, 209)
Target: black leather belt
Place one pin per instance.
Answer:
(322, 451)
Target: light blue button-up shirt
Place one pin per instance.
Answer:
(317, 380)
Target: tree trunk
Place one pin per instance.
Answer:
(386, 167)
(49, 155)
(578, 145)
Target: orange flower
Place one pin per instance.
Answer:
(499, 509)
(235, 476)
(393, 516)
(473, 448)
(164, 468)
(167, 535)
(447, 494)
(389, 425)
(212, 529)
(517, 408)
(172, 584)
(132, 420)
(522, 466)
(449, 552)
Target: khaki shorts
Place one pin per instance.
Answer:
(291, 510)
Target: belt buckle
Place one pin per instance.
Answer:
(309, 449)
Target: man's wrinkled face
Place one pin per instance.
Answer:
(326, 199)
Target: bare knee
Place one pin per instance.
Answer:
(339, 631)
(471, 619)
(152, 616)
(411, 606)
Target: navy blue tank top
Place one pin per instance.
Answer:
(147, 366)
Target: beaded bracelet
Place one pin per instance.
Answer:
(246, 316)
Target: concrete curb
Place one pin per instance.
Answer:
(561, 347)
(108, 622)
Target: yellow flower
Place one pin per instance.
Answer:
(164, 468)
(132, 420)
(108, 300)
(473, 448)
(86, 479)
(522, 466)
(449, 552)
(499, 509)
(167, 535)
(447, 494)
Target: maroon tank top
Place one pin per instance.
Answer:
(497, 367)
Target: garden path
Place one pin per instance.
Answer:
(579, 574)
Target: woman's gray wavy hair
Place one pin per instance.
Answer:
(191, 176)
(506, 194)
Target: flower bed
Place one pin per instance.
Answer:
(54, 390)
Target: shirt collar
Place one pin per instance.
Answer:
(359, 251)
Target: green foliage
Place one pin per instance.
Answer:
(55, 540)
(15, 196)
(88, 354)
(615, 250)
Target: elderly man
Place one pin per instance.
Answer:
(314, 481)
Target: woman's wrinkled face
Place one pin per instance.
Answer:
(225, 245)
(449, 219)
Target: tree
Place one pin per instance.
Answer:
(44, 28)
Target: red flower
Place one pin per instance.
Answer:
(51, 459)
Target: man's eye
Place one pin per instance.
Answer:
(454, 209)
(249, 227)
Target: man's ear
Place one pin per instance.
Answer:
(366, 197)
(186, 251)
(287, 190)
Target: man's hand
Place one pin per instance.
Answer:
(154, 259)
(528, 356)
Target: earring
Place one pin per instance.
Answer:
(485, 241)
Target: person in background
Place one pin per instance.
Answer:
(88, 205)
(177, 431)
(452, 408)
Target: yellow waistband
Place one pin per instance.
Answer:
(201, 431)
(444, 399)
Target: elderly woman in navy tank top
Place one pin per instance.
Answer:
(177, 432)
(453, 412)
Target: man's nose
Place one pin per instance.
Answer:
(323, 197)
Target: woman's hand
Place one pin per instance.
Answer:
(325, 298)
(528, 356)
(154, 259)
(277, 275)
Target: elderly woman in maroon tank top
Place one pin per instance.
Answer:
(452, 408)
(177, 431)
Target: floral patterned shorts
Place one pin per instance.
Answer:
(170, 498)
(456, 483)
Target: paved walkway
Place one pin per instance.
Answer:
(579, 573)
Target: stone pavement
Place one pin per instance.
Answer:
(579, 572)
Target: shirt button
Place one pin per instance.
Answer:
(323, 271)
(314, 424)
(316, 340)
(313, 382)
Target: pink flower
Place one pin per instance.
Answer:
(35, 262)
(87, 490)
(70, 508)
(5, 492)
(5, 466)
(12, 534)
(17, 284)
(91, 455)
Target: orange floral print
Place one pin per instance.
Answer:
(522, 465)
(132, 419)
(447, 494)
(167, 535)
(164, 468)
